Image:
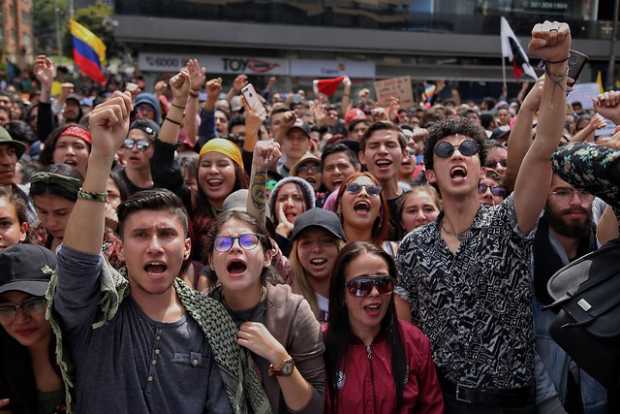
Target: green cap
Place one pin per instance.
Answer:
(5, 138)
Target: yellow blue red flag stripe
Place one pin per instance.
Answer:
(88, 51)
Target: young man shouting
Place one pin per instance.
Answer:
(466, 276)
(147, 343)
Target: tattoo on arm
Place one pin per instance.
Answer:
(257, 202)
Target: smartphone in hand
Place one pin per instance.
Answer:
(253, 100)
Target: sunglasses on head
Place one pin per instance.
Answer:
(247, 241)
(372, 190)
(497, 191)
(362, 286)
(469, 147)
(141, 144)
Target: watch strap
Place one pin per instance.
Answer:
(285, 371)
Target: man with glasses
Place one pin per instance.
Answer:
(565, 233)
(137, 151)
(466, 277)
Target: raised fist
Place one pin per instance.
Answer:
(109, 124)
(44, 70)
(608, 105)
(551, 41)
(265, 153)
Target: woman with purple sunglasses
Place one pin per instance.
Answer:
(374, 362)
(275, 325)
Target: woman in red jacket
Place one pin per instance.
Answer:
(375, 363)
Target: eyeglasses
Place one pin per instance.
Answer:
(444, 149)
(8, 312)
(247, 241)
(362, 286)
(497, 190)
(371, 190)
(309, 168)
(141, 144)
(495, 163)
(568, 194)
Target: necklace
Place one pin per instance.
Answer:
(459, 236)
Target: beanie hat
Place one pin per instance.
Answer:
(223, 146)
(306, 190)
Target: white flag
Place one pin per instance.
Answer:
(511, 49)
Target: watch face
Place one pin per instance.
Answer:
(287, 369)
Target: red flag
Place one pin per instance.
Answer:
(327, 86)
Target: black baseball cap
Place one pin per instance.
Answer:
(26, 268)
(150, 128)
(301, 128)
(321, 218)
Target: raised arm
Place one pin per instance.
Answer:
(108, 124)
(45, 72)
(521, 134)
(196, 80)
(551, 42)
(179, 85)
(345, 103)
(238, 83)
(265, 152)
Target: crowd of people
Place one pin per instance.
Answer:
(161, 253)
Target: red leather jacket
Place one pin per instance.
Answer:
(365, 385)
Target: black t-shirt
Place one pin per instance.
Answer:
(396, 229)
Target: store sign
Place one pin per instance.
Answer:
(332, 68)
(160, 62)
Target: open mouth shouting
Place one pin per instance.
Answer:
(373, 310)
(458, 174)
(383, 164)
(362, 208)
(214, 183)
(155, 268)
(236, 267)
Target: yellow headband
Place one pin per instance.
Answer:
(223, 146)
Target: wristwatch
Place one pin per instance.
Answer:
(285, 371)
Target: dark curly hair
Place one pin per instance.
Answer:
(442, 129)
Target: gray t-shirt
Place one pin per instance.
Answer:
(132, 364)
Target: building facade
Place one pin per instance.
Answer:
(366, 39)
(16, 23)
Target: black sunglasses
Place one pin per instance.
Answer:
(493, 164)
(497, 191)
(444, 149)
(371, 190)
(362, 286)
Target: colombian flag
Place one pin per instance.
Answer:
(88, 52)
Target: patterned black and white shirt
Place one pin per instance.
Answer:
(475, 305)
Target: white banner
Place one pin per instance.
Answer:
(332, 68)
(162, 62)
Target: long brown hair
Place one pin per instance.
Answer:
(301, 284)
(381, 226)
